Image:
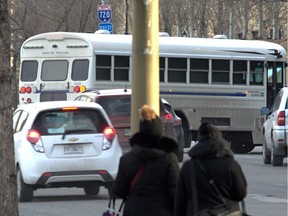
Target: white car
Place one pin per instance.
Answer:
(64, 144)
(275, 130)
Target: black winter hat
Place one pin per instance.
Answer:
(150, 123)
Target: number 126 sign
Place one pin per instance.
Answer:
(104, 13)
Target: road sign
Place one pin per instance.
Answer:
(106, 26)
(104, 13)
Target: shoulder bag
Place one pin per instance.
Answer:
(111, 211)
(219, 210)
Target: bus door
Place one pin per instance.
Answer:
(275, 80)
(53, 80)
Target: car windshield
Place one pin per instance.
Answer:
(58, 121)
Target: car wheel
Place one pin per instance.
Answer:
(92, 190)
(276, 160)
(24, 191)
(266, 153)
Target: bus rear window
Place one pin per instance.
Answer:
(29, 71)
(54, 70)
(80, 70)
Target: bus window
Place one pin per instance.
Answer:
(239, 72)
(162, 69)
(103, 67)
(199, 69)
(220, 71)
(29, 71)
(54, 70)
(279, 73)
(80, 70)
(256, 73)
(121, 69)
(177, 68)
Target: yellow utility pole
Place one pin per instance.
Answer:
(145, 58)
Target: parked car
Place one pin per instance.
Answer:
(64, 144)
(177, 123)
(275, 130)
(117, 103)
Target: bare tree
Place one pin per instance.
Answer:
(8, 196)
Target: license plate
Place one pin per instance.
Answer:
(73, 149)
(127, 132)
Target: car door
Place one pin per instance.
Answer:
(272, 119)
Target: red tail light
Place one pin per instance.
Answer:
(168, 116)
(69, 108)
(33, 136)
(109, 133)
(77, 89)
(281, 118)
(28, 89)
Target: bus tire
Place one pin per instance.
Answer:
(242, 148)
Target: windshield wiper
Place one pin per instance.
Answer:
(77, 131)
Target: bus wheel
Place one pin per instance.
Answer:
(242, 148)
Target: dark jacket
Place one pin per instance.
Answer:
(154, 191)
(219, 163)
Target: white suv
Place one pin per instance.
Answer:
(275, 130)
(64, 144)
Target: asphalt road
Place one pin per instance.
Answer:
(267, 193)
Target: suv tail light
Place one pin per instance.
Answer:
(109, 135)
(168, 116)
(33, 136)
(281, 118)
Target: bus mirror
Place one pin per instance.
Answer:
(264, 111)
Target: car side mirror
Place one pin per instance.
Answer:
(264, 111)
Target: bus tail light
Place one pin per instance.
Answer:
(29, 100)
(82, 88)
(281, 118)
(77, 89)
(27, 89)
(22, 90)
(109, 135)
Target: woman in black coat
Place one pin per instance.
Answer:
(213, 154)
(154, 191)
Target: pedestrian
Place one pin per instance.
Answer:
(154, 161)
(211, 168)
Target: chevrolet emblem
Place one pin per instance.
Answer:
(73, 139)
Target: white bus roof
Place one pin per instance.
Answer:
(171, 46)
